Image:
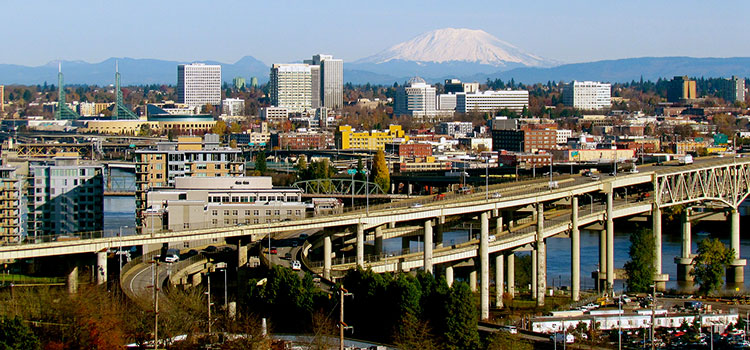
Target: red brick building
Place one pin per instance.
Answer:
(303, 141)
(412, 150)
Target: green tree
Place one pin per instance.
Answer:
(710, 264)
(461, 322)
(640, 267)
(360, 175)
(380, 172)
(260, 162)
(145, 130)
(14, 334)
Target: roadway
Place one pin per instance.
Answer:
(513, 195)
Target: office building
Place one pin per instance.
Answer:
(199, 84)
(92, 108)
(417, 99)
(348, 138)
(681, 90)
(11, 225)
(587, 95)
(315, 100)
(65, 197)
(220, 201)
(455, 129)
(331, 81)
(274, 114)
(732, 89)
(492, 101)
(238, 82)
(409, 150)
(233, 106)
(455, 86)
(446, 102)
(187, 157)
(290, 87)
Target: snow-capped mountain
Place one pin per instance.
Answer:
(458, 45)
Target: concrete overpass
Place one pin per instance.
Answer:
(721, 181)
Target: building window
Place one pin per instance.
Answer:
(256, 212)
(247, 213)
(186, 225)
(226, 212)
(214, 222)
(226, 221)
(268, 213)
(235, 212)
(214, 212)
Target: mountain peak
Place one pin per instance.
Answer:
(458, 44)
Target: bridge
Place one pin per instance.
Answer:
(343, 188)
(722, 182)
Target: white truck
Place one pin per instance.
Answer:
(685, 160)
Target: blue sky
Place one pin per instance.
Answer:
(36, 32)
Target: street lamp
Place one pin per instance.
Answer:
(487, 180)
(352, 172)
(653, 313)
(119, 238)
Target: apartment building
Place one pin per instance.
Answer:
(159, 168)
(65, 197)
(587, 95)
(199, 84)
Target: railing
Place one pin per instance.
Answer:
(182, 264)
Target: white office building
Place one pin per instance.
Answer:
(199, 84)
(331, 83)
(587, 95)
(290, 87)
(492, 101)
(455, 129)
(203, 202)
(233, 106)
(418, 100)
(446, 102)
(563, 135)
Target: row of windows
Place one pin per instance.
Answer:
(256, 212)
(251, 199)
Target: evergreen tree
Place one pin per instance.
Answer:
(360, 175)
(14, 334)
(640, 267)
(461, 322)
(381, 175)
(260, 162)
(710, 264)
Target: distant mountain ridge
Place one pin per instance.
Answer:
(614, 71)
(134, 71)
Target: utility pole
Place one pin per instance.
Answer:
(156, 303)
(342, 325)
(653, 313)
(208, 293)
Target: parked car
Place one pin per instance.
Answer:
(288, 256)
(296, 265)
(273, 250)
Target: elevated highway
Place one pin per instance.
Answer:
(722, 182)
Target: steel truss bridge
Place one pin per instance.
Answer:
(340, 187)
(717, 181)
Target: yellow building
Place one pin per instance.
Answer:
(347, 138)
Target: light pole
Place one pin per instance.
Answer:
(653, 313)
(619, 323)
(223, 266)
(367, 189)
(119, 238)
(487, 180)
(352, 172)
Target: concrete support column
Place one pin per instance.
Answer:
(449, 275)
(534, 272)
(575, 249)
(72, 281)
(405, 243)
(498, 225)
(499, 280)
(327, 252)
(659, 278)
(685, 260)
(379, 240)
(541, 259)
(101, 267)
(428, 246)
(360, 245)
(473, 279)
(736, 270)
(484, 263)
(610, 241)
(511, 266)
(602, 258)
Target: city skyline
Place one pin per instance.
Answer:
(566, 32)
